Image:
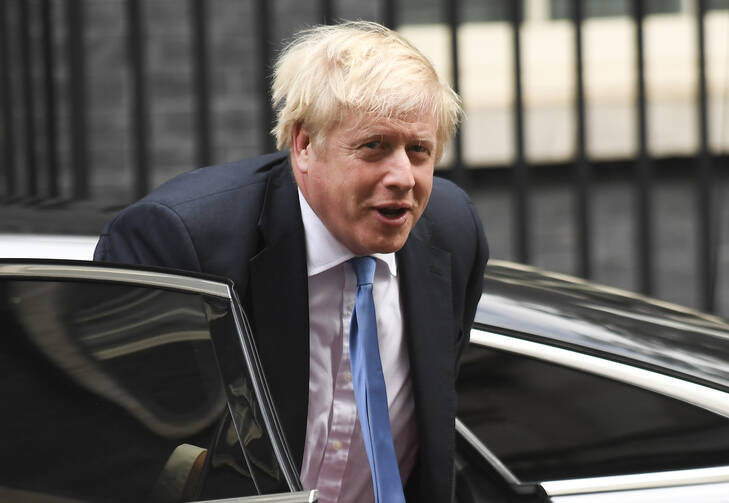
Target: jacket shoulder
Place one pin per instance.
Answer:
(450, 210)
(451, 222)
(202, 220)
(217, 182)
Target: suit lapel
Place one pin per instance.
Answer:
(429, 325)
(279, 295)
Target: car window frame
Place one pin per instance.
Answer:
(684, 390)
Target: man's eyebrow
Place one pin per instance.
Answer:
(381, 131)
(424, 141)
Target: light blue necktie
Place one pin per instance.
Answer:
(369, 388)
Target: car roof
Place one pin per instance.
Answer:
(52, 246)
(565, 311)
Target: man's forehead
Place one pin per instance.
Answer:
(421, 126)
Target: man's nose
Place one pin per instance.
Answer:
(399, 171)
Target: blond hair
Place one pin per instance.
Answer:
(328, 72)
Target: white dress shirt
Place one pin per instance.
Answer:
(335, 461)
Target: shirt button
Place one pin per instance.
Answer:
(348, 376)
(336, 445)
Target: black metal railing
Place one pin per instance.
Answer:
(30, 97)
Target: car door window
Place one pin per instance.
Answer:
(549, 422)
(119, 392)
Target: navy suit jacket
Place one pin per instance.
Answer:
(243, 221)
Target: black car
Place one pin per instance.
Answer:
(128, 384)
(573, 392)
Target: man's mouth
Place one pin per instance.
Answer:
(392, 212)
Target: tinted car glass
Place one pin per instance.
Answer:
(573, 312)
(116, 392)
(548, 422)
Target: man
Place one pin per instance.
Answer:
(365, 118)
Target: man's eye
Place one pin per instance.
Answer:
(419, 149)
(372, 144)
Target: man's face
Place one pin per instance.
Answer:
(370, 180)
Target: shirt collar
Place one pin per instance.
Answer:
(324, 251)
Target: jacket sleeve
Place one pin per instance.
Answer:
(148, 233)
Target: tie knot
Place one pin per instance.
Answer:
(364, 268)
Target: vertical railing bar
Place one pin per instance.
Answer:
(582, 166)
(644, 169)
(31, 165)
(50, 99)
(265, 59)
(6, 102)
(199, 21)
(707, 255)
(77, 98)
(327, 11)
(389, 17)
(452, 18)
(136, 38)
(521, 170)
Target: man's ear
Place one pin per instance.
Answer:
(302, 150)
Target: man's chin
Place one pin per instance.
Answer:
(384, 246)
(377, 239)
